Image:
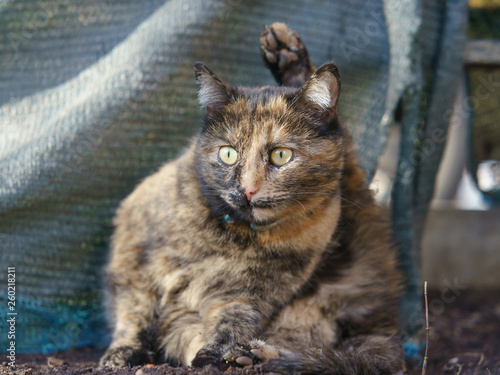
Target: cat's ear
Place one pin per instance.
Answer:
(320, 94)
(213, 93)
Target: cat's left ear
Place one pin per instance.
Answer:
(213, 93)
(320, 94)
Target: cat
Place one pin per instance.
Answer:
(261, 244)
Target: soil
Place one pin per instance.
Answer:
(464, 339)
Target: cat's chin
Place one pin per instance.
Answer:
(254, 216)
(262, 216)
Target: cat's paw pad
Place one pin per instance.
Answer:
(256, 351)
(280, 46)
(125, 356)
(263, 351)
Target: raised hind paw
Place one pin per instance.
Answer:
(285, 55)
(256, 351)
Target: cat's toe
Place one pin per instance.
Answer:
(239, 356)
(263, 351)
(255, 352)
(125, 356)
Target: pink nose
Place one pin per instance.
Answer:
(250, 192)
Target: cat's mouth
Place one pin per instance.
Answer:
(261, 211)
(263, 204)
(239, 202)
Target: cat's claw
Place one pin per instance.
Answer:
(285, 55)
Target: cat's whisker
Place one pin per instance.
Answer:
(356, 203)
(315, 193)
(295, 200)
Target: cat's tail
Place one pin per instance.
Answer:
(344, 361)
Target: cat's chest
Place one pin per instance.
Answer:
(205, 267)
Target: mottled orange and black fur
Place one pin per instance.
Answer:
(290, 265)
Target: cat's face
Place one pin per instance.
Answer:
(269, 154)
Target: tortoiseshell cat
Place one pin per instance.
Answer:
(262, 242)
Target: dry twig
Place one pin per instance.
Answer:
(479, 363)
(424, 365)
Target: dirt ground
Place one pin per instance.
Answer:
(464, 340)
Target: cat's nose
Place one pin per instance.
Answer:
(250, 192)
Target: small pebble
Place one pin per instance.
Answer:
(149, 365)
(55, 362)
(453, 361)
(139, 372)
(244, 361)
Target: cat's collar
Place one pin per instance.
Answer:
(256, 227)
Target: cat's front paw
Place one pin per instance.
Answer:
(126, 356)
(256, 351)
(285, 54)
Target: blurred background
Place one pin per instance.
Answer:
(462, 232)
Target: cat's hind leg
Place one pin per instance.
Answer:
(285, 55)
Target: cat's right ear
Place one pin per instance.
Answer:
(213, 93)
(320, 94)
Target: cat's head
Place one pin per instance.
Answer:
(269, 154)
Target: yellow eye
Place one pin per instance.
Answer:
(281, 156)
(228, 155)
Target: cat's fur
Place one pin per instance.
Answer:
(312, 288)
